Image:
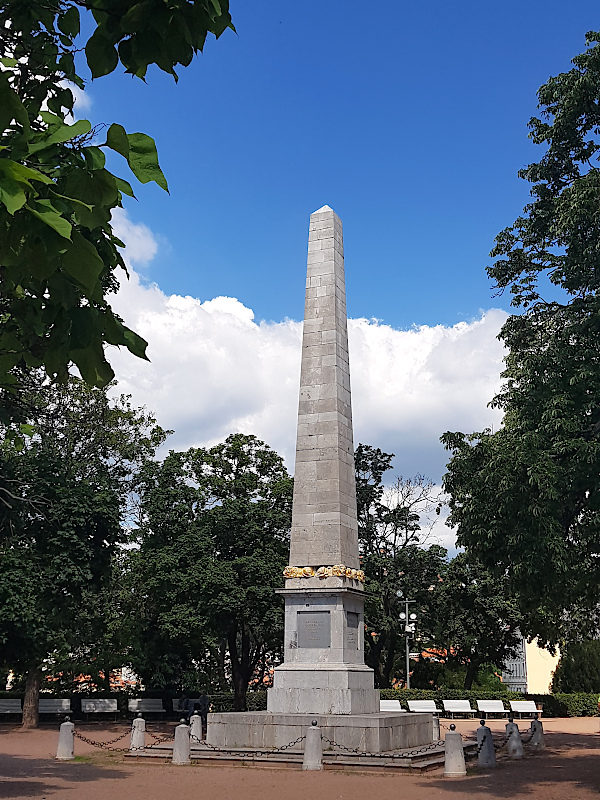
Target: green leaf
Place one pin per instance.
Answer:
(124, 187)
(135, 344)
(45, 211)
(9, 62)
(116, 139)
(60, 134)
(140, 151)
(11, 107)
(92, 365)
(101, 54)
(82, 262)
(68, 22)
(12, 195)
(21, 172)
(143, 160)
(94, 158)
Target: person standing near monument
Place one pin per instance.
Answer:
(203, 709)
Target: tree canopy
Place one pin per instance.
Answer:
(58, 251)
(214, 540)
(526, 499)
(64, 506)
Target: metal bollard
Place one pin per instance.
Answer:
(454, 765)
(486, 755)
(181, 745)
(537, 734)
(313, 748)
(137, 740)
(196, 726)
(514, 745)
(64, 751)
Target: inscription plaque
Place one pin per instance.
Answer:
(352, 630)
(314, 629)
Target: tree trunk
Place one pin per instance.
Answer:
(237, 677)
(390, 655)
(470, 674)
(32, 697)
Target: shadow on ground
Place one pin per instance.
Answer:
(572, 760)
(36, 777)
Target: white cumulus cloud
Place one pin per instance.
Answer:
(215, 369)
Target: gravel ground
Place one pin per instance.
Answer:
(569, 770)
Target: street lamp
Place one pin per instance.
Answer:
(409, 620)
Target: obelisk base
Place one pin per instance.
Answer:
(368, 733)
(323, 689)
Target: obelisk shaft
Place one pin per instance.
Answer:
(324, 527)
(324, 670)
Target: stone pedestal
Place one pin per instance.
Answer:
(370, 733)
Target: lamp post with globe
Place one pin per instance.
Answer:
(409, 619)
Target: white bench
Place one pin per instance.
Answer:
(521, 707)
(100, 706)
(10, 706)
(491, 707)
(453, 707)
(146, 705)
(423, 707)
(390, 705)
(54, 706)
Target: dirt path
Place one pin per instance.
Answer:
(570, 770)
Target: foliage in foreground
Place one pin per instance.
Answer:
(58, 251)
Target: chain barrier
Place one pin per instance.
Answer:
(254, 753)
(160, 739)
(402, 754)
(107, 745)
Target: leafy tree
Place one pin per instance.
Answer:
(58, 252)
(477, 619)
(62, 518)
(526, 499)
(578, 669)
(214, 539)
(393, 558)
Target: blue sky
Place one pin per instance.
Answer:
(409, 119)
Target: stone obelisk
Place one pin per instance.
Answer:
(323, 670)
(323, 676)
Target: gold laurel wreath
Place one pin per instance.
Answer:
(337, 571)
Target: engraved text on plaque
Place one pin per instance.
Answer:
(314, 629)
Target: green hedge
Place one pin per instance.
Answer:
(554, 705)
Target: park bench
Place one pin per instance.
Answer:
(390, 705)
(146, 705)
(521, 707)
(54, 705)
(422, 707)
(100, 706)
(453, 707)
(491, 707)
(10, 706)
